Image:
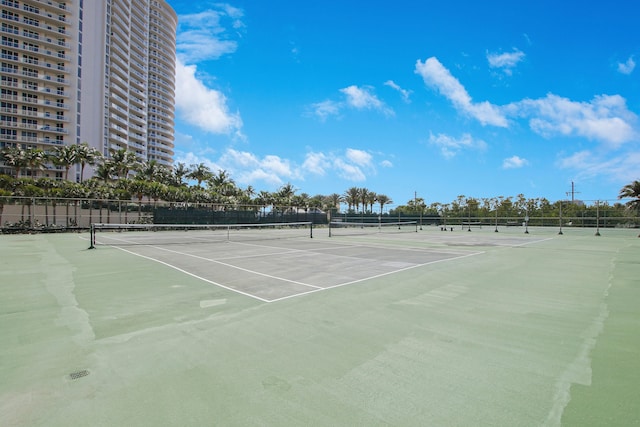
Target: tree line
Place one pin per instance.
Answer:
(122, 176)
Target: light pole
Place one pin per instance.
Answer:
(597, 217)
(560, 232)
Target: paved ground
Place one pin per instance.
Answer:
(535, 330)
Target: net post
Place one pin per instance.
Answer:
(311, 230)
(92, 237)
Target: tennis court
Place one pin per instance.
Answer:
(414, 327)
(271, 264)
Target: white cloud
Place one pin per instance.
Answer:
(627, 67)
(359, 157)
(514, 162)
(362, 98)
(352, 164)
(359, 98)
(205, 36)
(450, 146)
(349, 171)
(249, 168)
(324, 109)
(386, 164)
(201, 106)
(505, 61)
(192, 159)
(404, 92)
(436, 75)
(605, 118)
(316, 163)
(622, 168)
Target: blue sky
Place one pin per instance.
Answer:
(441, 99)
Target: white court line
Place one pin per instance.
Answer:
(534, 241)
(315, 288)
(315, 251)
(376, 276)
(193, 275)
(237, 268)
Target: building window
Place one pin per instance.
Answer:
(9, 54)
(8, 28)
(7, 120)
(31, 21)
(11, 3)
(10, 42)
(10, 16)
(8, 134)
(30, 8)
(28, 84)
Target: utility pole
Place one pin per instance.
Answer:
(572, 192)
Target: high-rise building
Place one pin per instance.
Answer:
(94, 71)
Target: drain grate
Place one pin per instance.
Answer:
(78, 374)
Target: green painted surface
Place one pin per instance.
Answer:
(541, 334)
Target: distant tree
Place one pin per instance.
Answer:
(179, 173)
(105, 172)
(352, 197)
(121, 161)
(200, 173)
(382, 200)
(371, 200)
(15, 158)
(4, 198)
(332, 201)
(36, 160)
(631, 191)
(86, 155)
(65, 156)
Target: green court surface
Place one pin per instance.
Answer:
(415, 328)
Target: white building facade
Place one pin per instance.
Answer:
(94, 71)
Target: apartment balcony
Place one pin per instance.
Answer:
(47, 128)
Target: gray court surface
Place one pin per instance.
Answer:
(411, 328)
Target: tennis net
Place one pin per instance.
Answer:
(186, 234)
(341, 228)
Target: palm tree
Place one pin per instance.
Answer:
(180, 172)
(16, 158)
(200, 173)
(86, 155)
(382, 200)
(138, 187)
(4, 198)
(36, 159)
(65, 156)
(104, 172)
(48, 187)
(371, 200)
(352, 197)
(225, 187)
(122, 161)
(332, 201)
(632, 191)
(285, 194)
(149, 171)
(264, 199)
